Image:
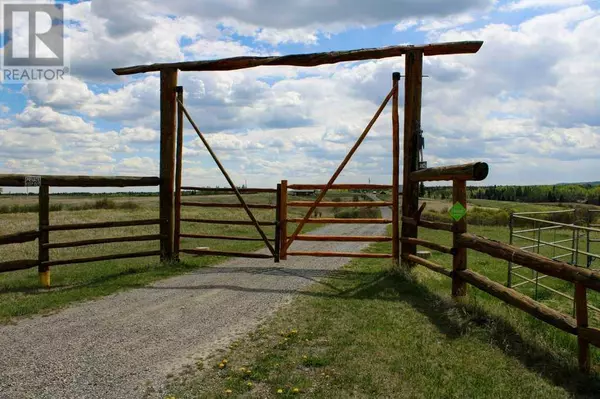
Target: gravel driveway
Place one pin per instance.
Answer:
(115, 346)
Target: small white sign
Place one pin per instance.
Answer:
(33, 181)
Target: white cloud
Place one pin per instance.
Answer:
(405, 25)
(526, 4)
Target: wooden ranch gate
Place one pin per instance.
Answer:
(172, 110)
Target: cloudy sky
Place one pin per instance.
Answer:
(528, 103)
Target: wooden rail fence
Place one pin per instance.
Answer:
(42, 234)
(582, 278)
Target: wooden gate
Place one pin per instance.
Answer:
(272, 244)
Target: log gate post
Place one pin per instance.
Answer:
(44, 235)
(459, 260)
(395, 172)
(412, 125)
(178, 174)
(168, 110)
(283, 199)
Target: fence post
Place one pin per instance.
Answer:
(278, 224)
(582, 322)
(395, 172)
(510, 241)
(283, 220)
(412, 125)
(44, 222)
(168, 110)
(178, 175)
(459, 260)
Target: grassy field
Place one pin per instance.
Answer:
(370, 332)
(20, 292)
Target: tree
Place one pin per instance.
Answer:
(421, 190)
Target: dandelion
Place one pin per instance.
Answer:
(295, 390)
(294, 331)
(224, 361)
(304, 357)
(249, 384)
(280, 390)
(228, 391)
(243, 369)
(248, 371)
(221, 365)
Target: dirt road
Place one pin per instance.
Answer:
(116, 346)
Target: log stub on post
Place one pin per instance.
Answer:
(476, 171)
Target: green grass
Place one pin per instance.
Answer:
(515, 206)
(370, 332)
(20, 291)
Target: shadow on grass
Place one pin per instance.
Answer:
(452, 319)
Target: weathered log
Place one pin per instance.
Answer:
(518, 300)
(428, 244)
(219, 237)
(303, 237)
(280, 205)
(428, 224)
(590, 334)
(306, 60)
(396, 169)
(221, 205)
(236, 222)
(340, 254)
(44, 238)
(356, 204)
(554, 268)
(459, 258)
(13, 265)
(342, 221)
(413, 85)
(472, 171)
(428, 264)
(19, 238)
(101, 258)
(211, 252)
(102, 225)
(178, 174)
(229, 190)
(340, 186)
(82, 181)
(581, 312)
(96, 241)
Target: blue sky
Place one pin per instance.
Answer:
(527, 103)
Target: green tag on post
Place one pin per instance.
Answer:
(457, 211)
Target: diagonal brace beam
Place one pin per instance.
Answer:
(231, 184)
(341, 167)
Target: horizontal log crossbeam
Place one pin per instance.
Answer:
(229, 190)
(211, 252)
(428, 244)
(236, 222)
(340, 186)
(304, 237)
(341, 221)
(473, 171)
(550, 267)
(13, 265)
(97, 241)
(306, 60)
(333, 204)
(102, 225)
(101, 258)
(428, 264)
(340, 254)
(219, 237)
(19, 238)
(221, 205)
(81, 181)
(428, 225)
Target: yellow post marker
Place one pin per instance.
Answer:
(45, 279)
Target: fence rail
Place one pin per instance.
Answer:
(43, 262)
(583, 278)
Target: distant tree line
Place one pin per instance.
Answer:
(581, 193)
